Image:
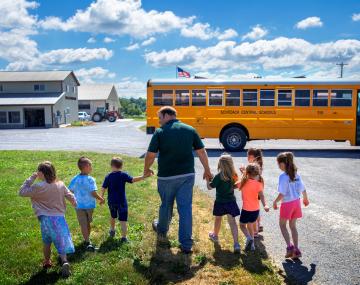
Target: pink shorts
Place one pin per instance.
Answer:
(290, 210)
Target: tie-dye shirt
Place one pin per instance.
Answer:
(82, 186)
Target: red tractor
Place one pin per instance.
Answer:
(103, 114)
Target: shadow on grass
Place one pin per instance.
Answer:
(43, 277)
(166, 266)
(78, 255)
(225, 258)
(110, 244)
(297, 273)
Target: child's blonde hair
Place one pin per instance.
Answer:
(252, 171)
(226, 168)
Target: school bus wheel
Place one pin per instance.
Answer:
(233, 139)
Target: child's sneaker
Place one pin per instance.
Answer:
(89, 246)
(252, 248)
(47, 264)
(289, 251)
(65, 270)
(296, 254)
(237, 247)
(111, 233)
(213, 237)
(124, 240)
(249, 244)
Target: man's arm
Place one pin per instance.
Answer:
(201, 153)
(149, 161)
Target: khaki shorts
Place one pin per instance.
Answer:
(84, 216)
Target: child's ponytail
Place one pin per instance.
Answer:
(288, 159)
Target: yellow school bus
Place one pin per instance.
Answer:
(238, 111)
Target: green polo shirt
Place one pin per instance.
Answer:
(175, 142)
(224, 189)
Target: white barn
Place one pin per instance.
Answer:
(38, 99)
(93, 96)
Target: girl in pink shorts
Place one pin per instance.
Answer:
(290, 189)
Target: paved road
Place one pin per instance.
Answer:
(330, 230)
(123, 136)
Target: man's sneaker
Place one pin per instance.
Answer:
(213, 237)
(237, 247)
(111, 233)
(47, 264)
(289, 251)
(185, 250)
(249, 244)
(155, 225)
(296, 253)
(124, 240)
(65, 270)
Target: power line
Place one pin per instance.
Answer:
(341, 64)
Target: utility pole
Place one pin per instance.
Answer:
(341, 64)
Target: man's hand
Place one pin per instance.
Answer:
(266, 208)
(102, 200)
(148, 172)
(306, 202)
(275, 205)
(207, 175)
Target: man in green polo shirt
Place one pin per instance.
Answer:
(175, 142)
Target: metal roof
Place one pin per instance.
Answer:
(94, 91)
(254, 81)
(25, 76)
(7, 99)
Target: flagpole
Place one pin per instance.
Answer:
(176, 73)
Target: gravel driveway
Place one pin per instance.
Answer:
(330, 229)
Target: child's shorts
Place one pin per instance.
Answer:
(84, 216)
(119, 211)
(54, 229)
(248, 217)
(291, 210)
(229, 208)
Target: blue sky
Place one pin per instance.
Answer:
(126, 42)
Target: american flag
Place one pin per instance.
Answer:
(182, 73)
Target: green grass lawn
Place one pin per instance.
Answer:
(142, 261)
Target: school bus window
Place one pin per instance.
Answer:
(250, 97)
(320, 98)
(199, 97)
(163, 97)
(284, 97)
(182, 98)
(267, 97)
(216, 97)
(341, 98)
(302, 98)
(232, 97)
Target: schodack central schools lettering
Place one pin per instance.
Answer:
(247, 112)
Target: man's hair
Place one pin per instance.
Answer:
(167, 110)
(116, 162)
(83, 161)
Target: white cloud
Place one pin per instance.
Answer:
(131, 87)
(148, 42)
(356, 17)
(91, 40)
(119, 17)
(92, 75)
(199, 30)
(309, 22)
(280, 54)
(227, 34)
(132, 47)
(108, 40)
(60, 57)
(257, 32)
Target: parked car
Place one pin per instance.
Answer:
(83, 116)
